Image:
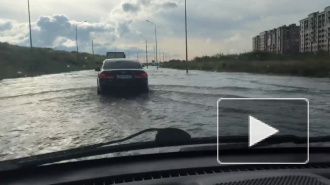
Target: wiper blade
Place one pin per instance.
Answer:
(165, 137)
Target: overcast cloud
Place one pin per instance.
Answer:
(213, 25)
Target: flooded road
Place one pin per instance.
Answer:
(61, 111)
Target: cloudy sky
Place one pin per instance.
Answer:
(214, 26)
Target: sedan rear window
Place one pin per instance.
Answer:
(122, 65)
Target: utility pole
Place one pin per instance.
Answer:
(30, 25)
(114, 40)
(155, 54)
(185, 13)
(155, 40)
(147, 52)
(146, 49)
(156, 46)
(163, 56)
(137, 56)
(77, 41)
(93, 47)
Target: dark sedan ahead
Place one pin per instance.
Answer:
(122, 74)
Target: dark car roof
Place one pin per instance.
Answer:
(120, 59)
(114, 64)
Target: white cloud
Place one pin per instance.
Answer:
(236, 37)
(213, 25)
(13, 32)
(5, 24)
(69, 43)
(126, 12)
(49, 28)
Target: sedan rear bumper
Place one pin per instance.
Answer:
(115, 84)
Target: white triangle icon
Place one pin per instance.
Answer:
(259, 131)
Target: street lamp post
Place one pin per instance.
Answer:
(77, 40)
(93, 47)
(154, 54)
(146, 49)
(30, 24)
(155, 40)
(185, 15)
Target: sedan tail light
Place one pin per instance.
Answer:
(107, 75)
(141, 75)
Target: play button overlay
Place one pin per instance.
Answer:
(260, 130)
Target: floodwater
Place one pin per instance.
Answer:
(60, 111)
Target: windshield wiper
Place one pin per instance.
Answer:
(165, 137)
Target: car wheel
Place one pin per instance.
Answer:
(99, 91)
(145, 89)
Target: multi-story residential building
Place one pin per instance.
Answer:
(272, 41)
(263, 36)
(256, 43)
(288, 38)
(284, 39)
(315, 32)
(313, 35)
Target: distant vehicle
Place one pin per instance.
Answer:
(111, 55)
(118, 74)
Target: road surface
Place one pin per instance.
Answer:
(60, 111)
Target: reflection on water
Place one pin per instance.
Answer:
(60, 111)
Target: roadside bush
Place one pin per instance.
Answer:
(42, 61)
(301, 64)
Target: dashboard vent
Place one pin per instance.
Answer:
(284, 180)
(189, 172)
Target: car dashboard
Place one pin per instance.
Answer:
(193, 167)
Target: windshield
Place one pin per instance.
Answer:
(121, 65)
(240, 64)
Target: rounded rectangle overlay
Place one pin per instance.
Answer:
(251, 118)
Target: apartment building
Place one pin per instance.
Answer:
(255, 44)
(272, 41)
(288, 38)
(281, 40)
(263, 41)
(315, 32)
